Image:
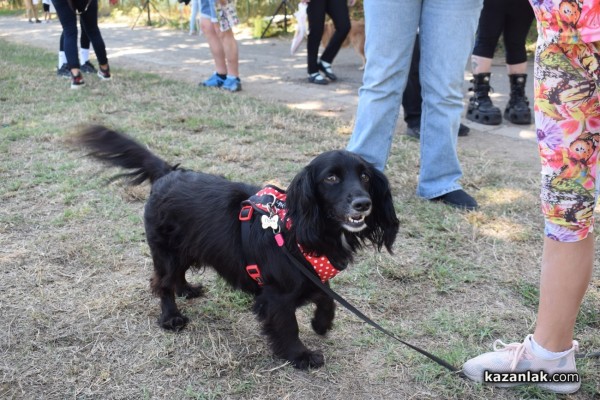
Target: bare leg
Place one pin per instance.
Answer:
(230, 47)
(31, 9)
(215, 44)
(566, 273)
(480, 65)
(29, 6)
(517, 68)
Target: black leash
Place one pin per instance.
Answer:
(314, 279)
(246, 217)
(317, 281)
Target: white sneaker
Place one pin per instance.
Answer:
(516, 364)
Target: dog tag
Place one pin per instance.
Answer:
(279, 239)
(270, 222)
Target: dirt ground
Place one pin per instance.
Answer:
(271, 73)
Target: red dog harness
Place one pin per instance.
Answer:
(270, 203)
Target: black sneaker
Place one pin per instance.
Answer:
(88, 68)
(414, 132)
(77, 81)
(63, 71)
(104, 74)
(459, 199)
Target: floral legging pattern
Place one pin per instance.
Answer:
(567, 117)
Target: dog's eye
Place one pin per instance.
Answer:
(332, 179)
(364, 177)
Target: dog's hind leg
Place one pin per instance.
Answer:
(183, 287)
(163, 285)
(324, 313)
(278, 316)
(360, 49)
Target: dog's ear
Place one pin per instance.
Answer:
(304, 210)
(382, 223)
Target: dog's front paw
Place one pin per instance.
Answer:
(321, 325)
(174, 322)
(308, 359)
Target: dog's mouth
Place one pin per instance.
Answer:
(355, 222)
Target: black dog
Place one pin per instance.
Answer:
(334, 205)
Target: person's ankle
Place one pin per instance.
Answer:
(552, 343)
(544, 353)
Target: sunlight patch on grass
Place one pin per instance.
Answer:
(505, 229)
(503, 195)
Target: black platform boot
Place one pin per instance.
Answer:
(481, 109)
(517, 110)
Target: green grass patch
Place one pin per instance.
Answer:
(75, 266)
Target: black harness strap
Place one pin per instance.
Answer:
(245, 217)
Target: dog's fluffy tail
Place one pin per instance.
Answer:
(122, 151)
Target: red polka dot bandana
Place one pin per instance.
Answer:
(321, 264)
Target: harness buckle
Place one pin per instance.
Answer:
(254, 273)
(246, 213)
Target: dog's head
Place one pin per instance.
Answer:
(340, 192)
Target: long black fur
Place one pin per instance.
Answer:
(191, 220)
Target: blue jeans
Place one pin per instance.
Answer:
(194, 15)
(446, 36)
(208, 10)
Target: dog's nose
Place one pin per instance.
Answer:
(361, 204)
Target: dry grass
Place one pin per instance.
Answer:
(79, 320)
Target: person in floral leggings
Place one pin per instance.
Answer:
(567, 117)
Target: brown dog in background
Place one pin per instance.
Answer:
(356, 38)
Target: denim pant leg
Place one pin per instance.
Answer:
(447, 34)
(194, 15)
(390, 28)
